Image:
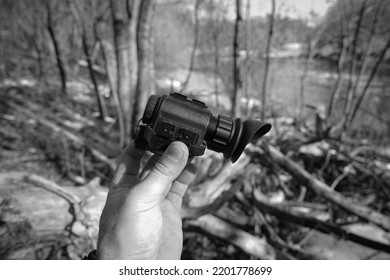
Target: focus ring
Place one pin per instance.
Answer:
(149, 109)
(222, 134)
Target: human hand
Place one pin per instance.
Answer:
(141, 218)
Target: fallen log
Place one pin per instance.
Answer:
(76, 139)
(208, 191)
(188, 212)
(324, 190)
(289, 251)
(287, 214)
(250, 244)
(35, 210)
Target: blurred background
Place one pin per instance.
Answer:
(75, 77)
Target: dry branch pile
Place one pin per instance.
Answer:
(288, 197)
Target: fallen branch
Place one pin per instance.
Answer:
(286, 213)
(250, 244)
(208, 191)
(76, 139)
(75, 209)
(322, 189)
(290, 251)
(196, 212)
(21, 159)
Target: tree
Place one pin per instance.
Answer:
(195, 44)
(81, 18)
(362, 36)
(125, 18)
(237, 81)
(146, 77)
(267, 58)
(58, 52)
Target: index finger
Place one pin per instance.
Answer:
(129, 163)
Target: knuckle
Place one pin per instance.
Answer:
(164, 169)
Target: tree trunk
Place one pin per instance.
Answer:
(352, 66)
(123, 24)
(145, 79)
(340, 60)
(194, 46)
(99, 97)
(367, 51)
(57, 49)
(370, 79)
(80, 18)
(268, 49)
(247, 74)
(309, 59)
(237, 82)
(108, 54)
(216, 66)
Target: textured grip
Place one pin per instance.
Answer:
(222, 134)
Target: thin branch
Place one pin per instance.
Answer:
(267, 60)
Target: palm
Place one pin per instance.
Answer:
(172, 234)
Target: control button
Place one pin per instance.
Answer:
(166, 130)
(187, 136)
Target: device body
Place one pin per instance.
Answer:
(174, 117)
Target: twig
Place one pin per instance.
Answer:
(338, 180)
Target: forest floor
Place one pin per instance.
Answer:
(56, 159)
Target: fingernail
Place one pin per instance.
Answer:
(175, 152)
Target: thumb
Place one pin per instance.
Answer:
(166, 170)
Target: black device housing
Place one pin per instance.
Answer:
(174, 117)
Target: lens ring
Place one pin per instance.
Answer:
(234, 139)
(149, 109)
(222, 134)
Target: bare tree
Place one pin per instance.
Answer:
(237, 82)
(312, 40)
(267, 59)
(366, 58)
(369, 81)
(108, 54)
(247, 62)
(343, 42)
(81, 18)
(125, 18)
(195, 44)
(145, 79)
(353, 62)
(51, 29)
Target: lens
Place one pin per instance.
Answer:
(231, 137)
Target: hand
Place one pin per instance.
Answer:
(141, 218)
